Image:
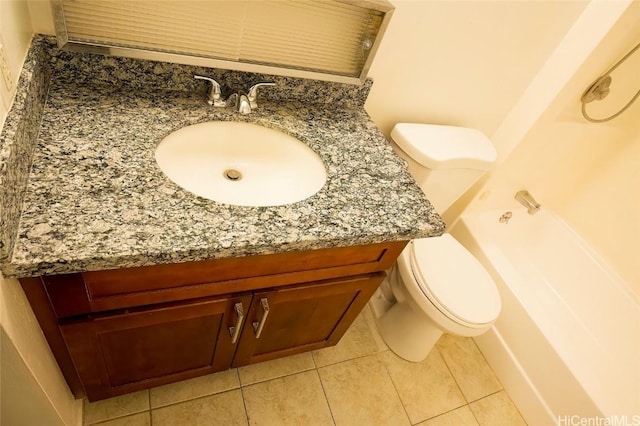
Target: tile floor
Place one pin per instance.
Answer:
(357, 382)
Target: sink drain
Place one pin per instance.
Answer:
(232, 174)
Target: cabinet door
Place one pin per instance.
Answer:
(301, 318)
(138, 349)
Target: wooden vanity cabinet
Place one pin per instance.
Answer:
(126, 351)
(119, 331)
(302, 318)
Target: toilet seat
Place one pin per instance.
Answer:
(458, 285)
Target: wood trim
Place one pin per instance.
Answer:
(163, 283)
(362, 259)
(68, 294)
(42, 308)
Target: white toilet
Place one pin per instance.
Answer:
(437, 286)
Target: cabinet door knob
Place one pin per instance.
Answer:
(234, 330)
(259, 325)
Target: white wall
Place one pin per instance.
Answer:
(30, 374)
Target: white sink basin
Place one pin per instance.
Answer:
(241, 163)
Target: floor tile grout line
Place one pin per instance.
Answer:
(486, 396)
(150, 416)
(133, 413)
(403, 406)
(473, 412)
(124, 416)
(195, 398)
(406, 413)
(474, 415)
(326, 398)
(244, 404)
(351, 359)
(277, 377)
(487, 362)
(495, 393)
(451, 373)
(240, 386)
(445, 412)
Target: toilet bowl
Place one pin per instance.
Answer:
(436, 285)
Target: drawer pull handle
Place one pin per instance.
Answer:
(234, 330)
(259, 325)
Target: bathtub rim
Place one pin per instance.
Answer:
(465, 230)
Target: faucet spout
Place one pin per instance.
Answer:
(527, 200)
(239, 102)
(244, 107)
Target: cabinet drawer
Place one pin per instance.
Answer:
(75, 294)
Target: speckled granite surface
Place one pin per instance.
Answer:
(82, 69)
(17, 140)
(96, 198)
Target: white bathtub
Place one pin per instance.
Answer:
(567, 341)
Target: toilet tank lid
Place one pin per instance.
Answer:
(445, 147)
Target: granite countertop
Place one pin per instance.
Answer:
(96, 199)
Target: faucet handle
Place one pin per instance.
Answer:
(214, 93)
(252, 94)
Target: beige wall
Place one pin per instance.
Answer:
(30, 374)
(46, 384)
(41, 16)
(23, 401)
(462, 62)
(605, 208)
(15, 34)
(588, 173)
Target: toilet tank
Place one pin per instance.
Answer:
(444, 160)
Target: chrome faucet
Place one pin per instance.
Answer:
(244, 104)
(240, 103)
(506, 217)
(252, 94)
(527, 200)
(215, 94)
